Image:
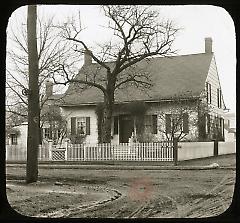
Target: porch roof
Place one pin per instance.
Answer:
(170, 76)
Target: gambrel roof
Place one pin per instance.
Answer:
(170, 76)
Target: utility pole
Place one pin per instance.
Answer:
(33, 97)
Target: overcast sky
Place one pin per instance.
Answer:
(197, 22)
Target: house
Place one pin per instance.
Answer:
(230, 127)
(192, 79)
(17, 135)
(52, 125)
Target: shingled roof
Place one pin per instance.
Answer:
(170, 76)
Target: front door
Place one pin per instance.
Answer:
(125, 127)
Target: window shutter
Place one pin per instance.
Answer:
(41, 135)
(210, 94)
(207, 91)
(50, 131)
(115, 125)
(73, 126)
(154, 124)
(87, 125)
(185, 123)
(220, 98)
(208, 123)
(140, 125)
(168, 123)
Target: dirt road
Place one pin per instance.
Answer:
(123, 194)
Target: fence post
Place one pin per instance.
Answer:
(84, 152)
(215, 147)
(50, 143)
(175, 151)
(66, 147)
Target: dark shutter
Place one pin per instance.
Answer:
(73, 126)
(154, 124)
(220, 128)
(202, 126)
(223, 129)
(168, 123)
(207, 91)
(185, 123)
(208, 123)
(87, 125)
(115, 125)
(210, 94)
(50, 131)
(139, 121)
(41, 136)
(220, 97)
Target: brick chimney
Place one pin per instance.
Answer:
(208, 45)
(49, 88)
(87, 57)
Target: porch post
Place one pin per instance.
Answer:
(175, 151)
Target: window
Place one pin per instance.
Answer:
(177, 122)
(150, 124)
(219, 98)
(13, 138)
(80, 125)
(208, 123)
(154, 122)
(208, 93)
(46, 133)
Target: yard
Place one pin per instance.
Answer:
(125, 193)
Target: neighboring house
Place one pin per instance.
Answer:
(230, 127)
(52, 123)
(17, 135)
(193, 78)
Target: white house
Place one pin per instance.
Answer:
(230, 127)
(193, 78)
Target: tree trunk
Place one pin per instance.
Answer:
(107, 112)
(106, 123)
(33, 98)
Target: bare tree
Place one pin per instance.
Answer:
(138, 33)
(33, 97)
(50, 49)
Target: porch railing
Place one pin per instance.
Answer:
(160, 151)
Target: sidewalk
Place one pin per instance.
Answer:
(224, 162)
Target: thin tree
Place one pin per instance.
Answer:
(137, 34)
(33, 97)
(183, 116)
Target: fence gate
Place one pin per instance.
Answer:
(58, 153)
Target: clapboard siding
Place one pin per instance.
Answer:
(213, 79)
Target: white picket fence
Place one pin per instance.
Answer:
(123, 152)
(161, 151)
